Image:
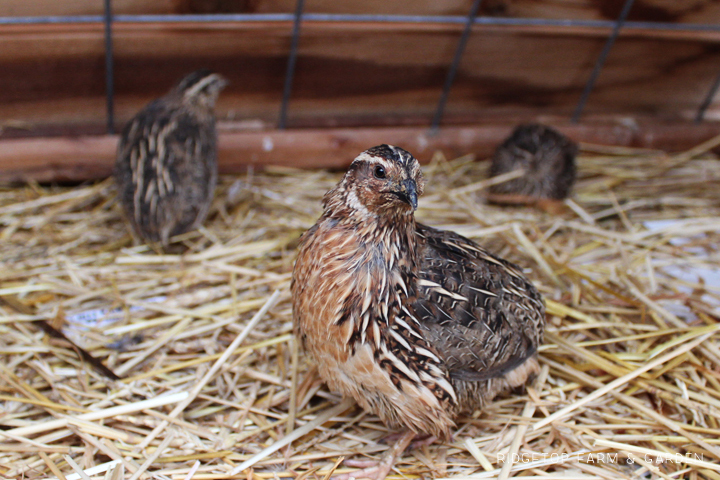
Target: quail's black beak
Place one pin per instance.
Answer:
(407, 192)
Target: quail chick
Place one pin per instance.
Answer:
(166, 167)
(548, 159)
(416, 324)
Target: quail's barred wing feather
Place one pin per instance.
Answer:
(481, 314)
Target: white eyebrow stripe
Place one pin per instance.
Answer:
(364, 157)
(200, 84)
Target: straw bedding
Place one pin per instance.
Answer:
(211, 377)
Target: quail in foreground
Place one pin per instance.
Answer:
(416, 324)
(547, 158)
(166, 167)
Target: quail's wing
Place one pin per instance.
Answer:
(480, 313)
(194, 148)
(166, 146)
(155, 116)
(137, 155)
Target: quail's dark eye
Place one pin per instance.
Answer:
(379, 172)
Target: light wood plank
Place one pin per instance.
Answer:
(88, 158)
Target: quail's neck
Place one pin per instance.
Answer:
(389, 235)
(385, 264)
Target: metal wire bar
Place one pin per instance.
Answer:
(342, 17)
(51, 20)
(708, 100)
(600, 63)
(292, 60)
(609, 24)
(454, 67)
(109, 68)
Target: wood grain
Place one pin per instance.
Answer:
(355, 74)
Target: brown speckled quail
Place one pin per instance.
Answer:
(548, 158)
(416, 324)
(166, 167)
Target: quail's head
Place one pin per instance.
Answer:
(201, 87)
(383, 180)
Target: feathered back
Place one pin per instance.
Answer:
(546, 155)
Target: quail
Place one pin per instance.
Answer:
(417, 324)
(548, 160)
(166, 167)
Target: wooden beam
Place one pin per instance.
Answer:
(91, 158)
